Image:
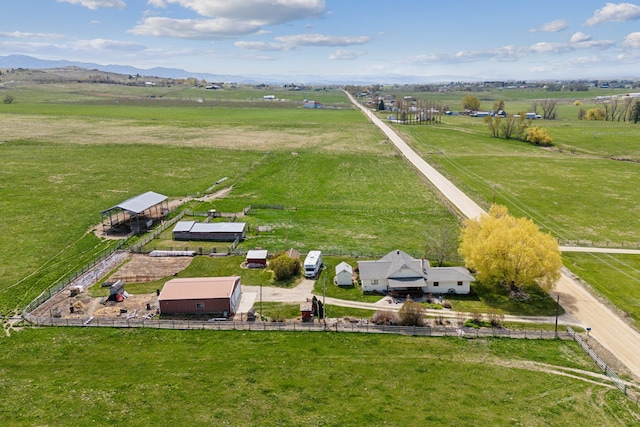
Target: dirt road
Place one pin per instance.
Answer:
(609, 329)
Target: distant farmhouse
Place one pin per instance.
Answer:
(312, 104)
(209, 231)
(399, 272)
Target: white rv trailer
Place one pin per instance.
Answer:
(312, 263)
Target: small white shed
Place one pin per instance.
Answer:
(344, 274)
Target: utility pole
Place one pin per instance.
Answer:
(260, 300)
(557, 311)
(324, 307)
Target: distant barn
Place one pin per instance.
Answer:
(135, 214)
(209, 231)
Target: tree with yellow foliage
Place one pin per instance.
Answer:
(539, 136)
(510, 251)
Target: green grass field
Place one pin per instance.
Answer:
(75, 376)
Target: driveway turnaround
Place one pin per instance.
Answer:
(607, 327)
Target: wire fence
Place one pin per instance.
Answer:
(85, 276)
(149, 237)
(599, 244)
(601, 363)
(317, 326)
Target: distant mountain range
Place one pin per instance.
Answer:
(29, 62)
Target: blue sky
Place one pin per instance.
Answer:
(435, 40)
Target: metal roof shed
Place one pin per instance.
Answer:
(138, 211)
(257, 258)
(219, 296)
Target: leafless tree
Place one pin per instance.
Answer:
(442, 244)
(521, 126)
(548, 109)
(494, 125)
(508, 126)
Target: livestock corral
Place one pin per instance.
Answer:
(74, 304)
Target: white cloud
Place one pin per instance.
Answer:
(632, 40)
(557, 48)
(203, 29)
(219, 19)
(511, 53)
(584, 61)
(344, 54)
(285, 43)
(551, 27)
(23, 35)
(263, 46)
(106, 45)
(545, 47)
(97, 4)
(322, 40)
(505, 53)
(92, 47)
(594, 44)
(269, 11)
(427, 59)
(612, 12)
(580, 37)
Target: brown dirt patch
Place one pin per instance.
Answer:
(139, 269)
(143, 268)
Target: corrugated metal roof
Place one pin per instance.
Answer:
(209, 227)
(197, 288)
(257, 254)
(218, 227)
(183, 226)
(140, 203)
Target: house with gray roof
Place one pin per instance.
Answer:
(399, 272)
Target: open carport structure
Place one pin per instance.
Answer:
(135, 214)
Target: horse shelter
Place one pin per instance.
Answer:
(135, 214)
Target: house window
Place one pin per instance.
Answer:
(459, 283)
(374, 281)
(199, 306)
(436, 283)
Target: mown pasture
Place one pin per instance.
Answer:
(99, 376)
